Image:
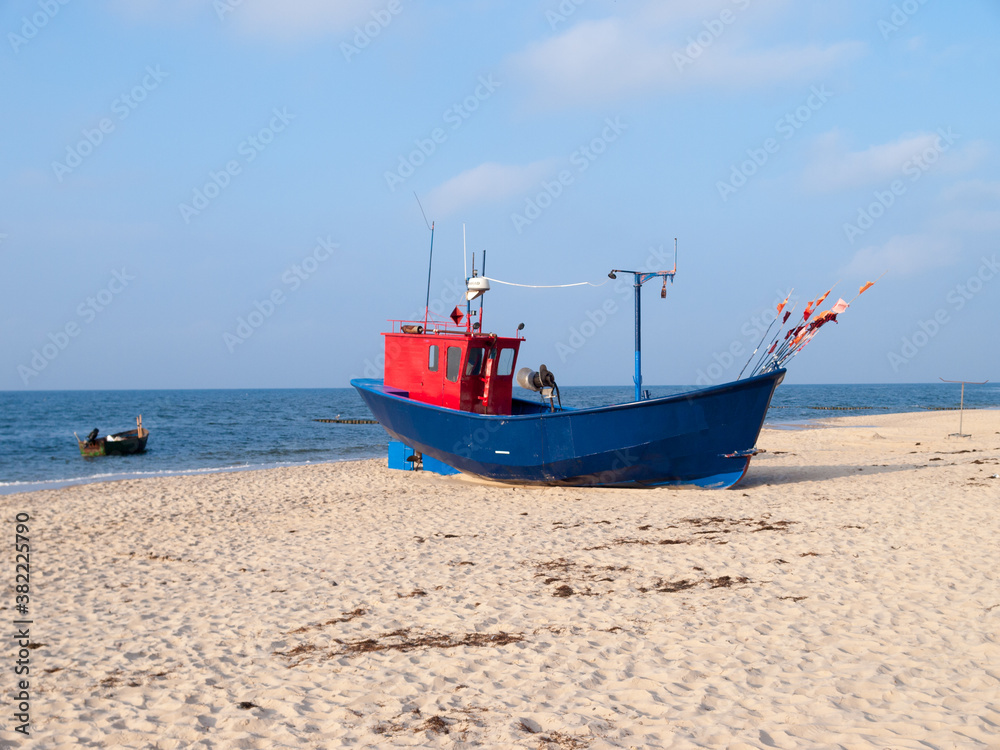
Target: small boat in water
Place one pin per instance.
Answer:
(118, 444)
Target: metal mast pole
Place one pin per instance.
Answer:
(482, 297)
(430, 264)
(641, 277)
(637, 378)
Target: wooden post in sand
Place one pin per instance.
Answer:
(961, 403)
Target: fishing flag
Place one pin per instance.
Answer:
(801, 333)
(824, 317)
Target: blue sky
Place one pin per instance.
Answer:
(221, 194)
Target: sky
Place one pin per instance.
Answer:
(224, 194)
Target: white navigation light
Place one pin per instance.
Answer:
(476, 287)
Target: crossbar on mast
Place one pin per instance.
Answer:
(640, 278)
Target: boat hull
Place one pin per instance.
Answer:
(128, 443)
(704, 437)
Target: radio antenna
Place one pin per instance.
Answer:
(430, 261)
(482, 297)
(429, 226)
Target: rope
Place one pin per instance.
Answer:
(546, 286)
(837, 408)
(348, 421)
(863, 408)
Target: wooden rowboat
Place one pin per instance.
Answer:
(118, 444)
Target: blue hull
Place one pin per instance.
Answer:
(704, 437)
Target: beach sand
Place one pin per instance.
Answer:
(844, 595)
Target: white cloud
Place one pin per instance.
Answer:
(737, 69)
(966, 158)
(594, 59)
(834, 167)
(974, 205)
(274, 18)
(969, 220)
(157, 11)
(660, 48)
(976, 190)
(288, 20)
(485, 183)
(903, 255)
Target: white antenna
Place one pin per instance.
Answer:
(465, 262)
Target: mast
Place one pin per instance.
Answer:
(481, 297)
(465, 266)
(637, 378)
(430, 263)
(430, 260)
(641, 278)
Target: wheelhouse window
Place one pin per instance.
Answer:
(432, 358)
(475, 362)
(505, 366)
(454, 363)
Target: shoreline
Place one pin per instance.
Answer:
(844, 594)
(60, 484)
(26, 487)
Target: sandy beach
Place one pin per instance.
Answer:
(845, 595)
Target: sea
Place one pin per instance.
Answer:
(199, 431)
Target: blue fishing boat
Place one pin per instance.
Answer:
(447, 396)
(705, 437)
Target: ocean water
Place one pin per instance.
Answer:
(218, 430)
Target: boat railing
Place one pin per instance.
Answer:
(433, 326)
